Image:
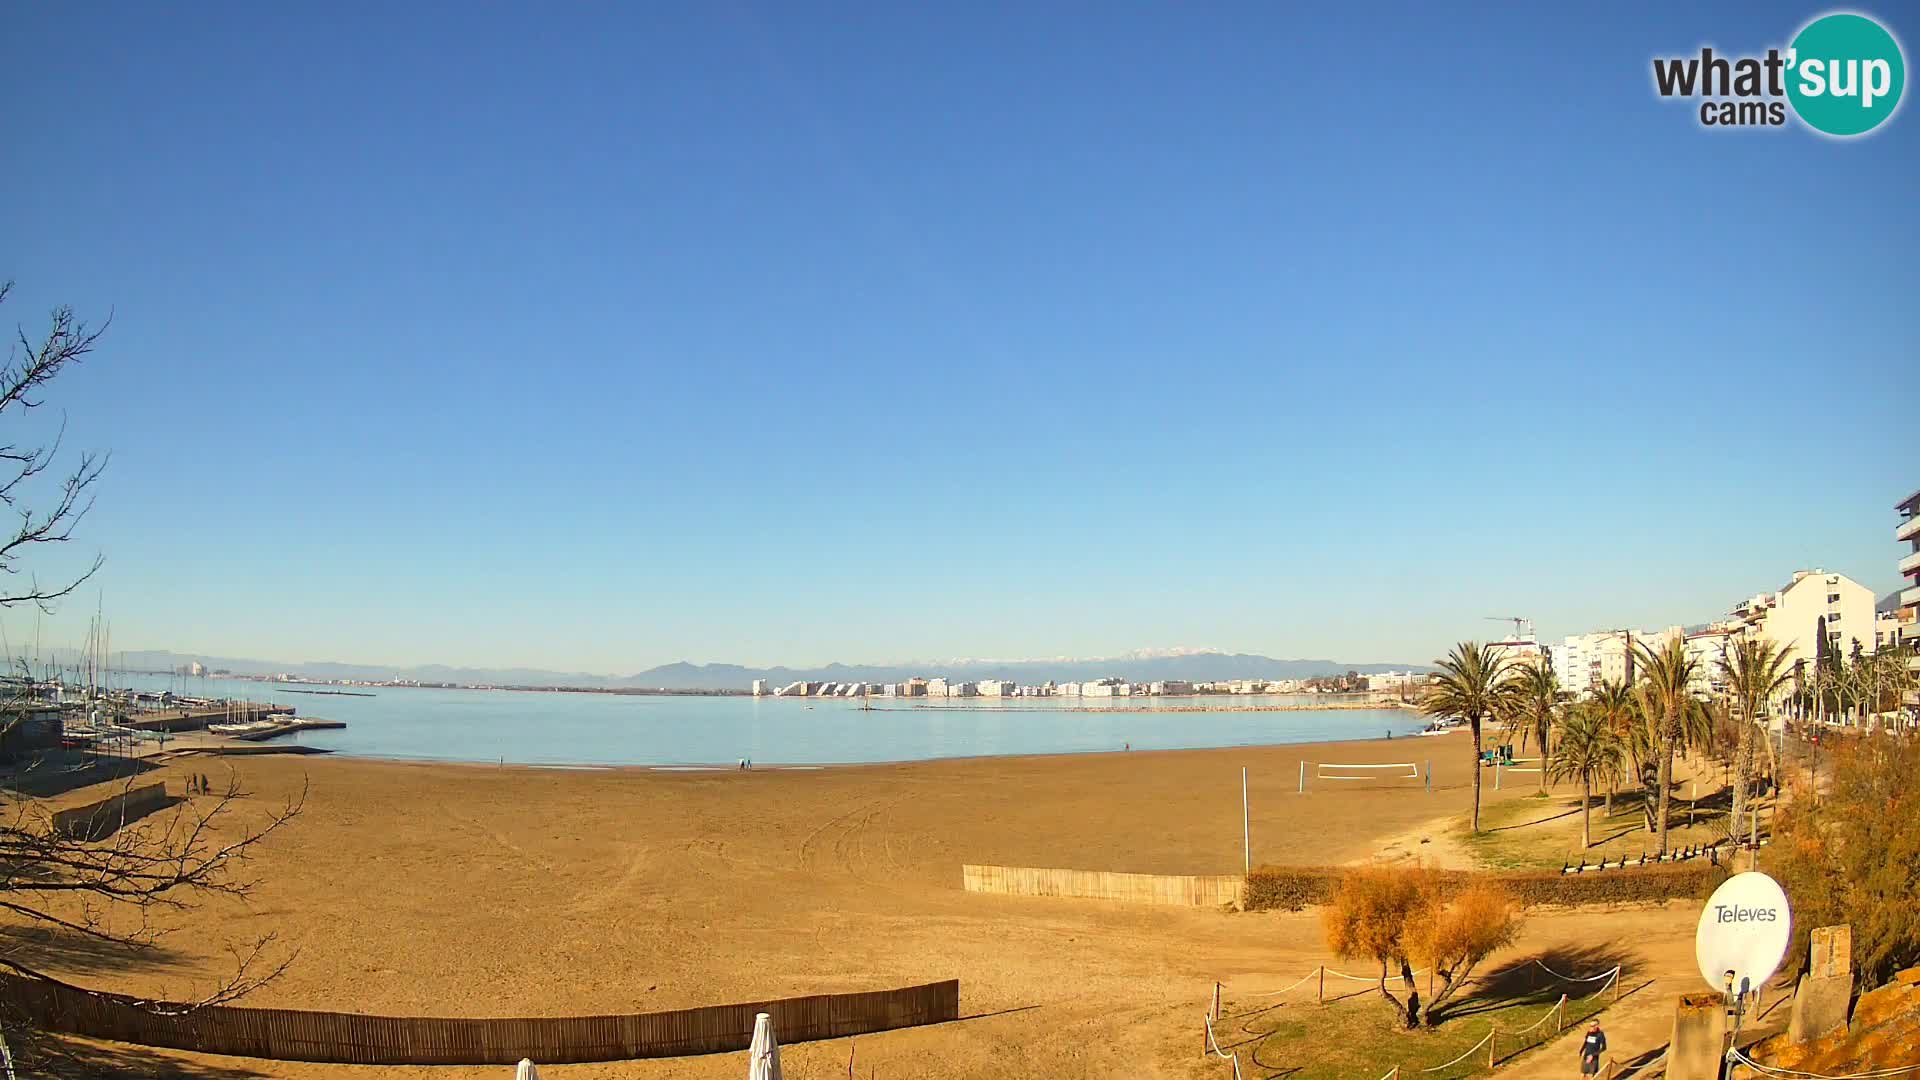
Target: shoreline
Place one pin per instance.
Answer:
(681, 768)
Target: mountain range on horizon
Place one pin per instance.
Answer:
(1141, 666)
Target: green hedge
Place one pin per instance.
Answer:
(1291, 888)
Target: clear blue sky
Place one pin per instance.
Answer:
(790, 333)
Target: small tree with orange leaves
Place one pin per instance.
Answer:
(1453, 934)
(1400, 915)
(1367, 920)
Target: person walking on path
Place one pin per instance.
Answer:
(1591, 1048)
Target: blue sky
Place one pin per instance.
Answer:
(790, 333)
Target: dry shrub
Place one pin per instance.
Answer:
(1292, 888)
(1852, 855)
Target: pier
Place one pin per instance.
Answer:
(196, 719)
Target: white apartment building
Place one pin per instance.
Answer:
(995, 688)
(1175, 687)
(1385, 680)
(759, 688)
(1067, 689)
(1908, 613)
(1583, 661)
(936, 687)
(1106, 688)
(1814, 602)
(1708, 650)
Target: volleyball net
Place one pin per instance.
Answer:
(1398, 774)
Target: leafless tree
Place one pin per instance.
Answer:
(29, 368)
(103, 879)
(103, 883)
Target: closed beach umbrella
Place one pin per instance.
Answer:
(526, 1071)
(763, 1057)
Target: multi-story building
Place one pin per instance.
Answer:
(759, 688)
(1174, 687)
(1106, 688)
(1908, 612)
(1909, 598)
(1814, 604)
(1583, 661)
(995, 688)
(1708, 651)
(1382, 680)
(936, 687)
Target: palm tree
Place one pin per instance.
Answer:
(1471, 686)
(1589, 750)
(1669, 706)
(1534, 704)
(1756, 670)
(1612, 701)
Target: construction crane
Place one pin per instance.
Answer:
(1522, 626)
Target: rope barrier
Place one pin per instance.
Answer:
(1302, 982)
(1740, 1058)
(1366, 978)
(1575, 978)
(1213, 1047)
(1462, 1057)
(1558, 1006)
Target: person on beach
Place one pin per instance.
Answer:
(1591, 1048)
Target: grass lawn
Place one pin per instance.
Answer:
(1535, 833)
(1358, 1036)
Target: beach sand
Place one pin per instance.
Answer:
(453, 890)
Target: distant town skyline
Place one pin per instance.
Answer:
(599, 340)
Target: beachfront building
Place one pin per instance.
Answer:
(1068, 689)
(1812, 604)
(1583, 661)
(1175, 687)
(1106, 688)
(1908, 611)
(914, 687)
(1708, 650)
(937, 687)
(995, 688)
(1390, 680)
(759, 688)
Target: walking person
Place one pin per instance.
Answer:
(1591, 1048)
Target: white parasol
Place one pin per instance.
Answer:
(763, 1057)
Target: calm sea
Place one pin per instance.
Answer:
(605, 729)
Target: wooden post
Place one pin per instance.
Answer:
(1321, 995)
(1215, 1011)
(1491, 1038)
(1303, 776)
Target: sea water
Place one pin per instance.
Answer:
(559, 728)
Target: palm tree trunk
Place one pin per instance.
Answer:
(1666, 783)
(1474, 723)
(1543, 755)
(1743, 771)
(1586, 814)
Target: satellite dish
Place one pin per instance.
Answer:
(1745, 929)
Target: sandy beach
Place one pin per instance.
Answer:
(479, 890)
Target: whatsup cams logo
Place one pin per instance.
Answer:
(1842, 75)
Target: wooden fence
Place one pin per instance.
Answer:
(97, 821)
(1184, 890)
(347, 1038)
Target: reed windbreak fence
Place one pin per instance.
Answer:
(1178, 889)
(348, 1038)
